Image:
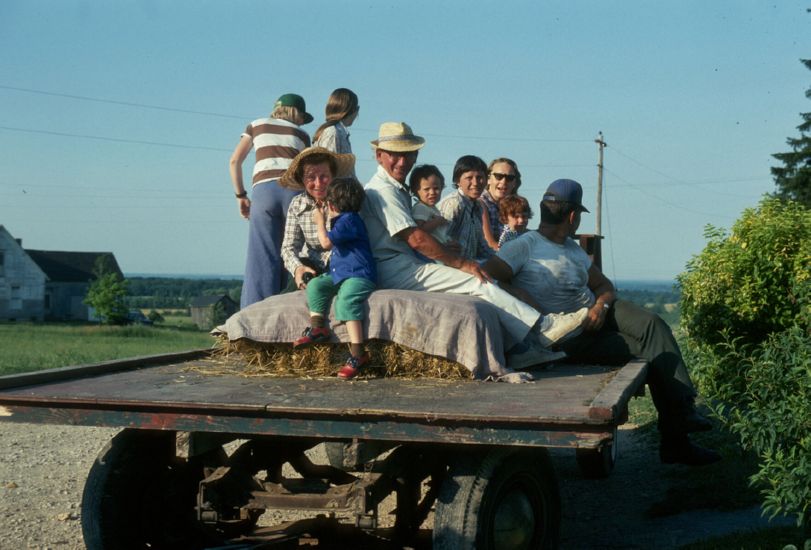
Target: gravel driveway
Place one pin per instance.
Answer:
(43, 468)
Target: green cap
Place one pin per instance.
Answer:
(295, 100)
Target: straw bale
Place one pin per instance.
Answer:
(389, 360)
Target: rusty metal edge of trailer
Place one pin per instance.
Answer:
(579, 436)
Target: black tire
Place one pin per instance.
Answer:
(500, 500)
(598, 463)
(139, 495)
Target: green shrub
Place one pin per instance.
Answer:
(749, 284)
(747, 320)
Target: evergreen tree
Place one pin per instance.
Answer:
(107, 294)
(793, 179)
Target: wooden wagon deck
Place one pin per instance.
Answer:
(568, 406)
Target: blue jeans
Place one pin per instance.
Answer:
(264, 269)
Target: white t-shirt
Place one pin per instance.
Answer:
(556, 275)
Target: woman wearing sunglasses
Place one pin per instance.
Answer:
(503, 178)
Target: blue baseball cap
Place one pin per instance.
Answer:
(565, 191)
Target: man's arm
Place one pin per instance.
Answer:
(501, 271)
(424, 243)
(604, 294)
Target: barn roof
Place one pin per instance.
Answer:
(206, 301)
(71, 267)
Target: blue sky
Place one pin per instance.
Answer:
(117, 119)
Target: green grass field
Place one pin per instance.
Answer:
(28, 347)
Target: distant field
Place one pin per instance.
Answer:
(27, 347)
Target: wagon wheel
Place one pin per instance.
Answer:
(138, 494)
(500, 500)
(598, 463)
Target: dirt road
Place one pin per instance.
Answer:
(43, 468)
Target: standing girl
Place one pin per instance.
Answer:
(342, 110)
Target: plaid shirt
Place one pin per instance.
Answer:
(301, 235)
(465, 225)
(492, 212)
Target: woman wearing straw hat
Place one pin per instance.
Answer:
(312, 170)
(277, 140)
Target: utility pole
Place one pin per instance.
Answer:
(601, 144)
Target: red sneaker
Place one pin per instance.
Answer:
(353, 366)
(312, 335)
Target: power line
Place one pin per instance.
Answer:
(654, 170)
(116, 140)
(124, 103)
(664, 201)
(241, 117)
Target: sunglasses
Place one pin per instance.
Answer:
(509, 177)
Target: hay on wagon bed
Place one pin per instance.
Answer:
(389, 360)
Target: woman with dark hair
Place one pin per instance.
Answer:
(342, 110)
(277, 139)
(313, 170)
(503, 179)
(464, 211)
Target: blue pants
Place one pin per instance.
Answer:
(264, 269)
(352, 294)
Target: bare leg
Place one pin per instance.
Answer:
(355, 331)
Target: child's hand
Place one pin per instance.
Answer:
(438, 221)
(318, 216)
(331, 211)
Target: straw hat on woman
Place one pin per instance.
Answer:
(312, 170)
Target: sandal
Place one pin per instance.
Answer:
(353, 366)
(312, 335)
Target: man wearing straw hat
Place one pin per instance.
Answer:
(400, 248)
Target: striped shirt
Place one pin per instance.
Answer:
(301, 235)
(276, 142)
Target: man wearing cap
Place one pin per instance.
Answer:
(549, 270)
(397, 244)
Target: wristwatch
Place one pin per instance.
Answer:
(606, 306)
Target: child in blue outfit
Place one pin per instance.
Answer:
(352, 273)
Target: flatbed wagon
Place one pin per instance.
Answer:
(204, 452)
